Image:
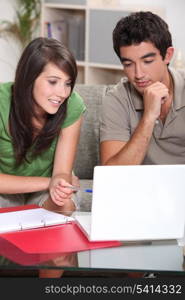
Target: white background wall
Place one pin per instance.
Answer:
(9, 52)
(174, 15)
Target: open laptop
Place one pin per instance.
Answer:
(133, 203)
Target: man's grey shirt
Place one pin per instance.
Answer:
(122, 110)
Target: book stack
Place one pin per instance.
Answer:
(70, 31)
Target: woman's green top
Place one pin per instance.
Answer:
(42, 164)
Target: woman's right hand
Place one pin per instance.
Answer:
(60, 191)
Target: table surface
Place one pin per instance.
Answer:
(156, 256)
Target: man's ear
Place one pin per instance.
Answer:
(169, 55)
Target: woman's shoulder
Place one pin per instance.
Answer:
(5, 92)
(75, 102)
(5, 99)
(75, 99)
(5, 87)
(75, 108)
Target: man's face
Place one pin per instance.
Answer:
(144, 65)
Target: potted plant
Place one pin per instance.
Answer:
(27, 16)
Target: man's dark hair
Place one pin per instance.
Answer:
(35, 57)
(142, 27)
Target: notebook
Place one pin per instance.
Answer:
(131, 203)
(30, 219)
(29, 229)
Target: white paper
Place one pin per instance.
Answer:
(30, 218)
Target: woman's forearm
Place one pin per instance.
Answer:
(11, 184)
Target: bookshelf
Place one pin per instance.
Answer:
(86, 27)
(97, 63)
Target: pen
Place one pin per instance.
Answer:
(75, 188)
(88, 190)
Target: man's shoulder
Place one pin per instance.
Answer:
(177, 74)
(181, 72)
(119, 90)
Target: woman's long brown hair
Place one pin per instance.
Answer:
(35, 57)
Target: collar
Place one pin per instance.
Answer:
(137, 98)
(178, 77)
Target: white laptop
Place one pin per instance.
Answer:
(133, 203)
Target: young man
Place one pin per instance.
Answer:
(143, 117)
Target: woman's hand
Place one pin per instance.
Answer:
(75, 181)
(60, 190)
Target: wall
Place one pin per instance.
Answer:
(9, 51)
(174, 15)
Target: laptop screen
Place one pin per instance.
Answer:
(144, 202)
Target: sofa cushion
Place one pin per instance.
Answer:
(84, 199)
(88, 149)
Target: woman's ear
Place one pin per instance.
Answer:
(169, 55)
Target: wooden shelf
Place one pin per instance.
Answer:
(99, 64)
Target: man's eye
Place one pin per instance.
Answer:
(148, 61)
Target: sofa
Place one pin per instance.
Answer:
(88, 149)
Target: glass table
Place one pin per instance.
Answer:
(146, 256)
(156, 256)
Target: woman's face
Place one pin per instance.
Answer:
(50, 90)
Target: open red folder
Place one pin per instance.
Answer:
(61, 238)
(15, 254)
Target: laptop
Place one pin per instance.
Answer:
(134, 203)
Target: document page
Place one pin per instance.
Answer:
(30, 218)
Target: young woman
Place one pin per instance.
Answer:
(40, 120)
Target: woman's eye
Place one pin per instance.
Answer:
(127, 65)
(69, 83)
(52, 82)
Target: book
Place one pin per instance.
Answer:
(76, 36)
(48, 29)
(58, 30)
(70, 31)
(37, 230)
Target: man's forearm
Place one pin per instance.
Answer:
(11, 184)
(134, 151)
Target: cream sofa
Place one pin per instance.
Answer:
(88, 149)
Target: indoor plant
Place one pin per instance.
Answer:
(27, 16)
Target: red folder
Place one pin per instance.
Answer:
(18, 256)
(63, 238)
